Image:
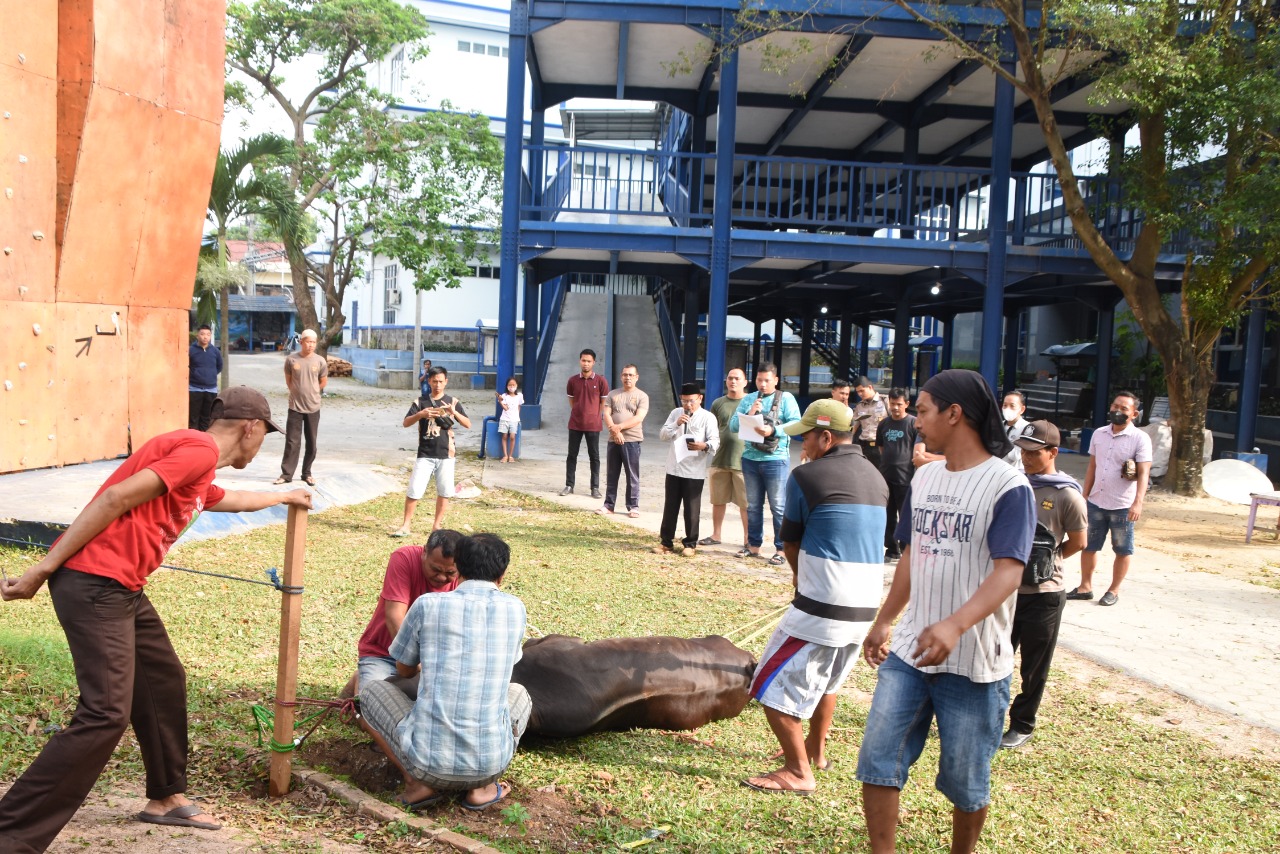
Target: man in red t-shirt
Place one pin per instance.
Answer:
(587, 391)
(126, 669)
(411, 572)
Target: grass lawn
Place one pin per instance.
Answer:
(1093, 780)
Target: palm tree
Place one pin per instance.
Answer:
(265, 194)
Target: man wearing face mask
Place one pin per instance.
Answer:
(1013, 409)
(1115, 486)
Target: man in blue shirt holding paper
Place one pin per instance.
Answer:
(766, 462)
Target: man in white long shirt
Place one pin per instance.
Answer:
(699, 431)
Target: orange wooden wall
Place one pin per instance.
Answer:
(110, 122)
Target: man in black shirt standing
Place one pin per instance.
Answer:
(896, 439)
(435, 414)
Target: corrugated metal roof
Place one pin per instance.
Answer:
(261, 304)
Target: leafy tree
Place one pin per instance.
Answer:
(232, 196)
(415, 188)
(1200, 80)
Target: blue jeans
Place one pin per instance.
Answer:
(764, 477)
(970, 718)
(1117, 522)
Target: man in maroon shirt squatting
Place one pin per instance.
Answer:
(411, 572)
(126, 669)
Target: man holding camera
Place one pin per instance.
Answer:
(1115, 486)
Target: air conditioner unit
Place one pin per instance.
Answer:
(393, 299)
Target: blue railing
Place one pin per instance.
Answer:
(675, 361)
(545, 341)
(893, 200)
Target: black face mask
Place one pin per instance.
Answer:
(1117, 417)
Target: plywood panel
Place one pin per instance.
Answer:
(158, 342)
(177, 195)
(126, 35)
(92, 378)
(29, 36)
(106, 211)
(27, 175)
(194, 54)
(29, 393)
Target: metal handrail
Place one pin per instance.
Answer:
(546, 340)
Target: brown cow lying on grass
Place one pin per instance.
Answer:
(619, 684)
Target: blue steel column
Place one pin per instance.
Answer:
(690, 326)
(846, 346)
(864, 349)
(1106, 339)
(1012, 334)
(779, 330)
(721, 215)
(513, 143)
(755, 355)
(902, 342)
(806, 350)
(998, 230)
(1251, 382)
(532, 313)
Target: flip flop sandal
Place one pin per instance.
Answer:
(502, 793)
(634, 514)
(430, 800)
(708, 541)
(777, 560)
(745, 552)
(179, 817)
(784, 788)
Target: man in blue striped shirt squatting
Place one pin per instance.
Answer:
(833, 538)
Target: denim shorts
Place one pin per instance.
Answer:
(1115, 521)
(375, 668)
(970, 718)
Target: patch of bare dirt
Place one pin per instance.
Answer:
(548, 818)
(1207, 535)
(1145, 703)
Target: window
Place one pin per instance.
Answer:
(477, 48)
(397, 72)
(391, 295)
(494, 50)
(506, 51)
(465, 47)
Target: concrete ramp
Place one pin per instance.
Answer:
(637, 340)
(582, 326)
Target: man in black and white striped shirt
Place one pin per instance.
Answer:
(968, 523)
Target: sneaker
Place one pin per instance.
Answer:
(1075, 595)
(1108, 598)
(595, 493)
(1014, 739)
(568, 490)
(890, 557)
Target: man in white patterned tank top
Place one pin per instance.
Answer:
(968, 522)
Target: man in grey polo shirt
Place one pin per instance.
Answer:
(1115, 486)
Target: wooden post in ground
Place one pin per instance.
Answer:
(295, 541)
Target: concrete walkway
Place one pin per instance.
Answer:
(1211, 639)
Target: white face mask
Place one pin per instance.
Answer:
(1009, 414)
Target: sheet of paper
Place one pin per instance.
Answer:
(747, 425)
(682, 449)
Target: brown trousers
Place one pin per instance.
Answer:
(301, 426)
(128, 674)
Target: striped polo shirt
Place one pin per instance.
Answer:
(957, 523)
(835, 510)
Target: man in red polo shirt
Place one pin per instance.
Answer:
(126, 669)
(587, 392)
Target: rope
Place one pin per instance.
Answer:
(272, 574)
(769, 620)
(265, 719)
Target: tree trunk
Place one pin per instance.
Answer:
(224, 310)
(302, 300)
(1190, 381)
